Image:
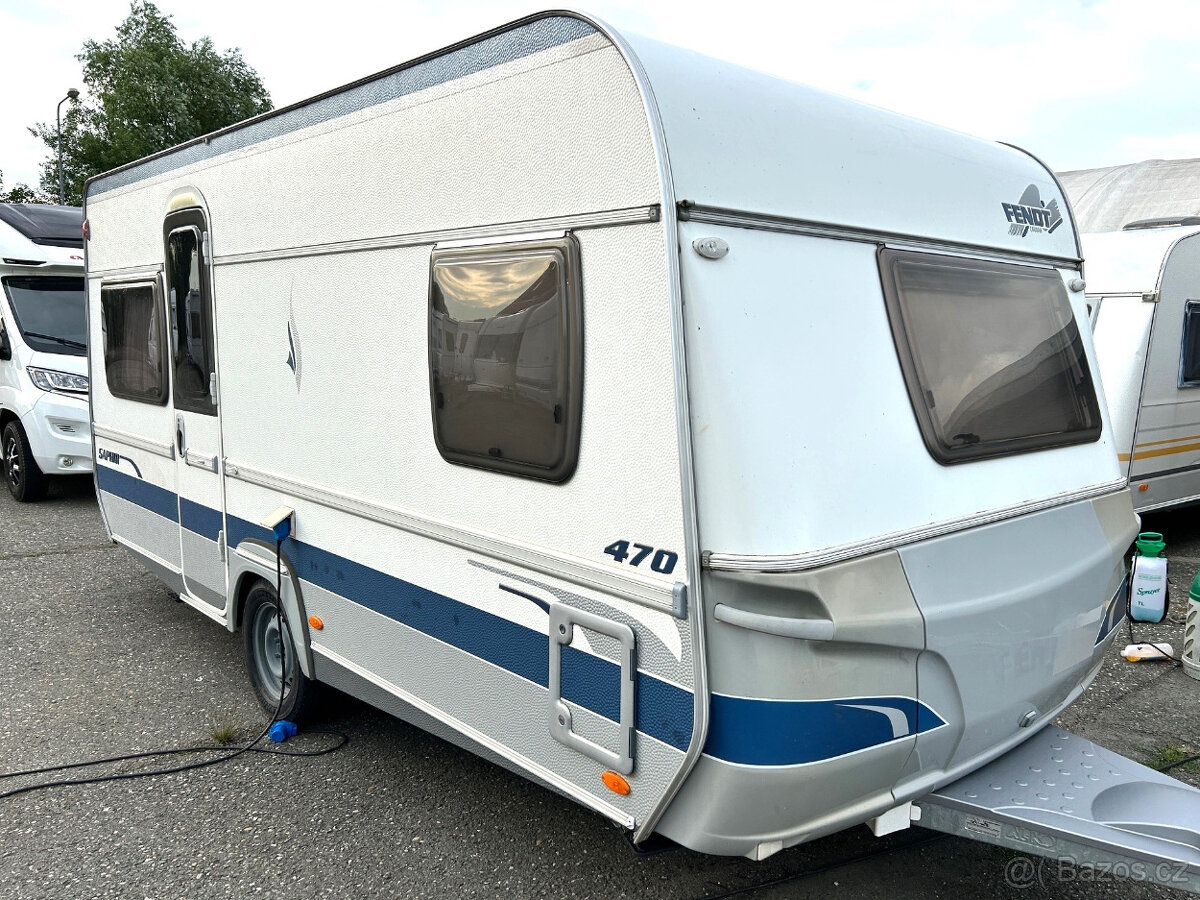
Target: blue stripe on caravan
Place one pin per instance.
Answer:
(746, 731)
(162, 502)
(664, 710)
(788, 732)
(203, 520)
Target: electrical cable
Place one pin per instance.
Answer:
(1179, 762)
(228, 754)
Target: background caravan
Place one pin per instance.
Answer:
(647, 552)
(1144, 294)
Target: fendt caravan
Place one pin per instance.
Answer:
(43, 349)
(1143, 288)
(722, 454)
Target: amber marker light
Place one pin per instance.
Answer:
(316, 623)
(1143, 486)
(615, 783)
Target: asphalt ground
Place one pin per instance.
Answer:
(97, 659)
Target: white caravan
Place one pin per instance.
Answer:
(43, 349)
(720, 453)
(1143, 288)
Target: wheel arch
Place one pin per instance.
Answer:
(254, 561)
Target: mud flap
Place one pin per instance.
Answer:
(1061, 796)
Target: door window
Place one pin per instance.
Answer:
(191, 326)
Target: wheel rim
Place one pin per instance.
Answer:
(12, 462)
(268, 652)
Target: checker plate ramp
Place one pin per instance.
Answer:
(1061, 796)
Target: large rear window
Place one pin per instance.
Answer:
(991, 353)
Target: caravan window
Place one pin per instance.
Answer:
(505, 357)
(135, 346)
(991, 353)
(1189, 364)
(191, 334)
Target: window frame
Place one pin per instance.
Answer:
(193, 219)
(164, 356)
(916, 390)
(570, 351)
(1188, 306)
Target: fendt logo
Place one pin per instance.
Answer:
(1031, 214)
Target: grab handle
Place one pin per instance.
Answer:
(783, 626)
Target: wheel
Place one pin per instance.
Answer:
(260, 636)
(21, 473)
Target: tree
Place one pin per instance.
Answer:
(146, 92)
(21, 193)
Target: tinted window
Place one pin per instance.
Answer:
(50, 311)
(134, 345)
(191, 336)
(991, 353)
(1189, 366)
(505, 352)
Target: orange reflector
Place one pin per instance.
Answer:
(1143, 486)
(316, 623)
(615, 783)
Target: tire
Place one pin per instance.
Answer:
(260, 638)
(21, 473)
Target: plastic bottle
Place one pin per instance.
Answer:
(1191, 631)
(1148, 579)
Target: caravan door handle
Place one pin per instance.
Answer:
(783, 626)
(180, 443)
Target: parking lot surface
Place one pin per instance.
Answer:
(97, 659)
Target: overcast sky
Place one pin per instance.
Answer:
(1081, 83)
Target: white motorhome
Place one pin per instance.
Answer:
(1143, 289)
(720, 453)
(43, 349)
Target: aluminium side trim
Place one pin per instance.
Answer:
(125, 273)
(712, 215)
(578, 571)
(540, 772)
(636, 215)
(683, 423)
(799, 562)
(129, 439)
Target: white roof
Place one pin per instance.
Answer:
(744, 140)
(1122, 262)
(740, 140)
(1109, 199)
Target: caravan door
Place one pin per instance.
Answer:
(197, 415)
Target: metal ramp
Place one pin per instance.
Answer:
(1061, 796)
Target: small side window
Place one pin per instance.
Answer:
(135, 345)
(506, 357)
(1189, 364)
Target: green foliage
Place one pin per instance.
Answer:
(21, 193)
(146, 91)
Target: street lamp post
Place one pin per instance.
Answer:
(72, 94)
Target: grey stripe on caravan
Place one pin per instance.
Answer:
(129, 439)
(798, 562)
(440, 68)
(604, 218)
(711, 215)
(553, 778)
(657, 595)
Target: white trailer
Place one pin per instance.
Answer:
(1143, 289)
(43, 348)
(719, 453)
